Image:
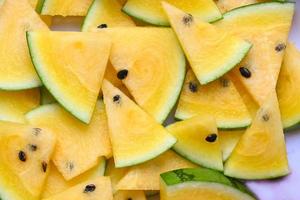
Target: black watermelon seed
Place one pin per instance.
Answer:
(102, 26)
(280, 47)
(193, 87)
(211, 137)
(188, 19)
(89, 188)
(70, 166)
(117, 99)
(22, 156)
(37, 131)
(266, 117)
(245, 72)
(224, 82)
(122, 74)
(129, 198)
(44, 166)
(32, 147)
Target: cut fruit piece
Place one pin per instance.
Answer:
(105, 12)
(266, 26)
(25, 152)
(115, 174)
(201, 183)
(64, 8)
(17, 17)
(201, 41)
(150, 171)
(135, 135)
(288, 87)
(151, 11)
(219, 99)
(226, 5)
(56, 183)
(78, 145)
(130, 195)
(75, 78)
(153, 68)
(197, 140)
(228, 141)
(94, 189)
(261, 151)
(15, 104)
(46, 96)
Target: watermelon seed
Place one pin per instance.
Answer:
(32, 147)
(245, 72)
(44, 166)
(22, 156)
(70, 166)
(188, 19)
(89, 188)
(193, 86)
(102, 26)
(129, 198)
(211, 137)
(280, 47)
(122, 74)
(37, 131)
(224, 82)
(117, 99)
(266, 117)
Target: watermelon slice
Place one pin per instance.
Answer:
(197, 140)
(17, 17)
(78, 145)
(227, 5)
(201, 41)
(261, 151)
(219, 99)
(151, 11)
(24, 156)
(56, 183)
(153, 59)
(115, 174)
(288, 87)
(135, 178)
(201, 183)
(75, 78)
(266, 26)
(133, 195)
(228, 141)
(94, 189)
(106, 13)
(133, 124)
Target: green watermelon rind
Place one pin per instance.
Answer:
(39, 6)
(199, 177)
(90, 13)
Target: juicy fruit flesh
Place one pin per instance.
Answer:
(228, 141)
(133, 195)
(17, 71)
(151, 11)
(78, 145)
(76, 85)
(129, 124)
(210, 51)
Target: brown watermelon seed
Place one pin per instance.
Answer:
(193, 86)
(89, 188)
(245, 72)
(266, 117)
(32, 147)
(129, 198)
(188, 19)
(44, 166)
(102, 26)
(70, 166)
(37, 131)
(280, 47)
(117, 99)
(211, 137)
(224, 82)
(22, 156)
(122, 74)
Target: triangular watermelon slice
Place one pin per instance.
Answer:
(136, 137)
(261, 151)
(17, 71)
(266, 26)
(211, 52)
(75, 78)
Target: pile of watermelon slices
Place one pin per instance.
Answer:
(84, 114)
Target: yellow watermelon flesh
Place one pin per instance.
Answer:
(228, 140)
(133, 195)
(78, 145)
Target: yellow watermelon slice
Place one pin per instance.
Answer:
(219, 99)
(105, 13)
(211, 52)
(151, 11)
(75, 78)
(150, 171)
(17, 17)
(127, 123)
(227, 5)
(153, 59)
(56, 183)
(94, 189)
(261, 151)
(78, 145)
(228, 141)
(201, 183)
(197, 141)
(266, 26)
(133, 195)
(25, 153)
(288, 87)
